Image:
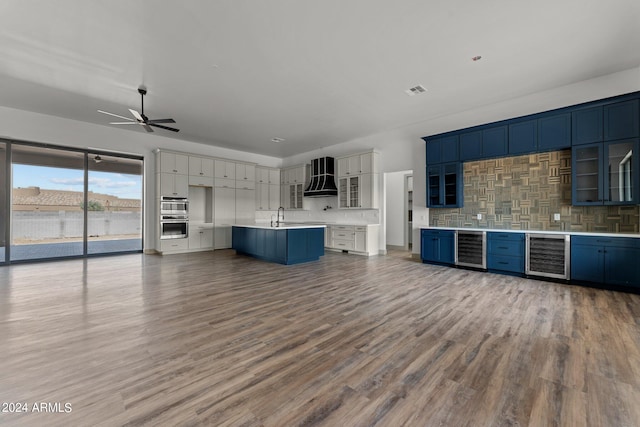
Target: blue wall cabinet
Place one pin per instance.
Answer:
(523, 137)
(444, 185)
(586, 175)
(494, 142)
(605, 173)
(442, 149)
(505, 252)
(621, 120)
(587, 125)
(437, 246)
(606, 260)
(554, 132)
(471, 145)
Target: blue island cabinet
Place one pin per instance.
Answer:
(280, 245)
(437, 246)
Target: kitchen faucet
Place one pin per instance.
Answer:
(278, 220)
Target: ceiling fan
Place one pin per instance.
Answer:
(141, 119)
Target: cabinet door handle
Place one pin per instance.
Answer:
(503, 247)
(503, 263)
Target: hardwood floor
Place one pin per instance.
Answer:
(226, 340)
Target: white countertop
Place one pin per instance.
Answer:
(285, 226)
(571, 233)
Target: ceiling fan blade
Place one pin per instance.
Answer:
(137, 115)
(146, 127)
(115, 115)
(132, 122)
(164, 127)
(161, 121)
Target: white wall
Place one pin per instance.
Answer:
(395, 207)
(26, 126)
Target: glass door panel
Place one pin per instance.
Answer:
(114, 213)
(47, 218)
(620, 173)
(433, 189)
(354, 193)
(587, 174)
(450, 185)
(3, 202)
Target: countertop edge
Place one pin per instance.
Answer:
(571, 233)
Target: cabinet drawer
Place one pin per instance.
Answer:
(344, 235)
(348, 245)
(506, 263)
(342, 227)
(623, 242)
(200, 181)
(497, 236)
(171, 245)
(506, 247)
(225, 182)
(360, 228)
(246, 185)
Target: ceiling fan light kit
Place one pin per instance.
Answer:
(140, 118)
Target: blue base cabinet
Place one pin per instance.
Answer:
(437, 246)
(283, 246)
(612, 261)
(505, 252)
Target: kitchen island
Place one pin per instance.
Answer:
(286, 244)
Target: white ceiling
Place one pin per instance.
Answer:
(236, 73)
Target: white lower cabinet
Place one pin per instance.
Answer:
(174, 245)
(224, 216)
(200, 237)
(362, 239)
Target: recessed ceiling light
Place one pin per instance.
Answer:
(276, 139)
(416, 90)
(476, 58)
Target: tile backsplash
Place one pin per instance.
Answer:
(524, 193)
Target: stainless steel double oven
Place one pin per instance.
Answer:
(174, 217)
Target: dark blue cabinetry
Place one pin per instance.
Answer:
(608, 122)
(523, 137)
(621, 120)
(444, 185)
(485, 143)
(586, 125)
(605, 173)
(554, 132)
(284, 246)
(442, 149)
(505, 252)
(437, 246)
(606, 260)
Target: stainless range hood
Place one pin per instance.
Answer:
(322, 178)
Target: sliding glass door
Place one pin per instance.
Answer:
(114, 214)
(4, 177)
(47, 219)
(68, 203)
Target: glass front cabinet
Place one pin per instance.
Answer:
(606, 173)
(444, 185)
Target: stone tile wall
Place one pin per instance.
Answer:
(523, 193)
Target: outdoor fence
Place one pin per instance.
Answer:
(31, 225)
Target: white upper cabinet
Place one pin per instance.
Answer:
(245, 172)
(174, 163)
(274, 176)
(225, 169)
(358, 164)
(262, 175)
(200, 166)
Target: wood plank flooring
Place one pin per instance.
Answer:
(226, 340)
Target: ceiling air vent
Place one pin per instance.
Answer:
(416, 90)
